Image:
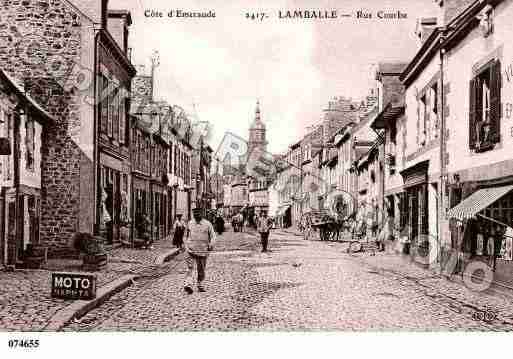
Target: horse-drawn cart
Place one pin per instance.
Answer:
(321, 225)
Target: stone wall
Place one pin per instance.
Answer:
(40, 45)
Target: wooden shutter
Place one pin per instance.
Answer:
(427, 110)
(115, 114)
(418, 121)
(495, 101)
(108, 102)
(122, 116)
(472, 114)
(104, 103)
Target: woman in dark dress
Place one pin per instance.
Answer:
(179, 231)
(219, 224)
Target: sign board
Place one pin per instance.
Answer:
(73, 286)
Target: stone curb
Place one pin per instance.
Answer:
(80, 307)
(166, 256)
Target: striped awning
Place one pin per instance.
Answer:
(478, 201)
(281, 210)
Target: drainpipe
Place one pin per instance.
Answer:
(442, 149)
(96, 156)
(18, 114)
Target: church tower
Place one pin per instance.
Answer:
(257, 133)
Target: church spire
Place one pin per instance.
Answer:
(257, 111)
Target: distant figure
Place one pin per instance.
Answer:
(199, 242)
(240, 222)
(219, 224)
(264, 225)
(178, 231)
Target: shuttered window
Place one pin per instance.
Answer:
(114, 106)
(30, 146)
(104, 103)
(122, 116)
(485, 108)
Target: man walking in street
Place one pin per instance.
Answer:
(199, 242)
(263, 227)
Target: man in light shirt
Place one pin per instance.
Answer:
(263, 227)
(199, 242)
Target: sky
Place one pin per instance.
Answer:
(221, 66)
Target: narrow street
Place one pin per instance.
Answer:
(299, 285)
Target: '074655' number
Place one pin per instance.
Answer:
(23, 343)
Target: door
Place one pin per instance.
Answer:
(10, 252)
(414, 215)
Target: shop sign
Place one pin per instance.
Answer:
(73, 286)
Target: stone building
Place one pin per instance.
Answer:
(69, 62)
(22, 124)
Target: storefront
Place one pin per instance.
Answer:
(481, 228)
(158, 210)
(140, 203)
(417, 218)
(283, 216)
(114, 186)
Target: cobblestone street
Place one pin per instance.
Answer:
(300, 285)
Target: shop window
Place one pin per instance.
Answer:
(484, 108)
(29, 144)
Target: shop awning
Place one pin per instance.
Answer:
(281, 210)
(478, 201)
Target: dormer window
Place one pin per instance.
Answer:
(485, 20)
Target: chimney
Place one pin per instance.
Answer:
(95, 9)
(117, 24)
(452, 8)
(424, 28)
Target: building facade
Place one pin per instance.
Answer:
(22, 126)
(85, 152)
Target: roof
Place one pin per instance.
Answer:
(389, 113)
(120, 13)
(33, 104)
(395, 67)
(455, 30)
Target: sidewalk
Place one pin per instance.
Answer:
(441, 289)
(25, 299)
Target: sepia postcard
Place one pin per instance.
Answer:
(266, 166)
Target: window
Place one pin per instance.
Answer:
(122, 115)
(104, 103)
(114, 111)
(170, 157)
(10, 135)
(484, 108)
(175, 160)
(424, 120)
(433, 95)
(110, 109)
(30, 144)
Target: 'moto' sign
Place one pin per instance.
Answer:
(73, 286)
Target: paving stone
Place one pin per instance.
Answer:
(329, 290)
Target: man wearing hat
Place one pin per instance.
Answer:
(264, 224)
(199, 243)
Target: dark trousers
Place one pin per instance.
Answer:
(264, 239)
